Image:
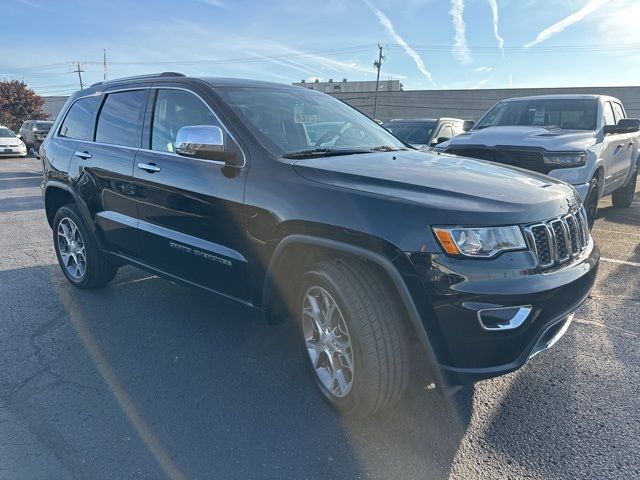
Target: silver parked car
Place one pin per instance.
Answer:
(33, 132)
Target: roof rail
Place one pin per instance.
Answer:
(139, 77)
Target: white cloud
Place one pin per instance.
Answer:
(386, 23)
(484, 69)
(494, 11)
(460, 48)
(214, 3)
(572, 19)
(480, 84)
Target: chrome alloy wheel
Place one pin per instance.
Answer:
(71, 248)
(327, 341)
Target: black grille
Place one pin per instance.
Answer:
(560, 236)
(543, 247)
(558, 240)
(529, 159)
(573, 234)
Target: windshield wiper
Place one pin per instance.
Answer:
(325, 152)
(386, 148)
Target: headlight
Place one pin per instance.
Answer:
(565, 160)
(479, 242)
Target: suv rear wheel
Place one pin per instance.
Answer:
(353, 336)
(623, 197)
(82, 262)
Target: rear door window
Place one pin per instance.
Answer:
(618, 111)
(78, 120)
(120, 119)
(609, 118)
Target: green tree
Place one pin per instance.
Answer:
(19, 103)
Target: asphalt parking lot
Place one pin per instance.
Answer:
(148, 379)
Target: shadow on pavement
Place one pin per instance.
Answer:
(201, 387)
(17, 204)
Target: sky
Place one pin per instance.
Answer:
(428, 44)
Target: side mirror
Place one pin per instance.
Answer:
(205, 142)
(442, 139)
(625, 125)
(468, 125)
(20, 137)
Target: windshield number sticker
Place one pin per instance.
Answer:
(300, 116)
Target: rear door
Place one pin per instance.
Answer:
(616, 153)
(192, 218)
(627, 139)
(102, 167)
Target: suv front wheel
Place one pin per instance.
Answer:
(354, 337)
(79, 256)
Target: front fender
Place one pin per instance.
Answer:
(399, 270)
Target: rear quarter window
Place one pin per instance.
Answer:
(78, 119)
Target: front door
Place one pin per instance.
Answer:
(191, 213)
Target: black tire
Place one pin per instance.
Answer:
(376, 331)
(98, 271)
(623, 197)
(591, 202)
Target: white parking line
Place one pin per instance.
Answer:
(623, 331)
(621, 262)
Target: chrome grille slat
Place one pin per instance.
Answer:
(558, 240)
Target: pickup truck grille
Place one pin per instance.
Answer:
(559, 240)
(531, 159)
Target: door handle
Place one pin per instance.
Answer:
(149, 167)
(83, 155)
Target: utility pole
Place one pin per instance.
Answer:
(79, 70)
(378, 65)
(104, 65)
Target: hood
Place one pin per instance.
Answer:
(549, 139)
(460, 190)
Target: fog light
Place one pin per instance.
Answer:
(503, 318)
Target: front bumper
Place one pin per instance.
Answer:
(13, 152)
(461, 288)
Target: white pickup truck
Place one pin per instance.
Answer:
(584, 140)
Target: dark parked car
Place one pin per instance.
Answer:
(425, 133)
(363, 243)
(33, 132)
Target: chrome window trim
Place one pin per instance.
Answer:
(218, 162)
(106, 93)
(157, 152)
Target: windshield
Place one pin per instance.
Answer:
(579, 114)
(297, 120)
(6, 133)
(417, 133)
(43, 126)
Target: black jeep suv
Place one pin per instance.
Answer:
(363, 242)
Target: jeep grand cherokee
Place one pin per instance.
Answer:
(361, 241)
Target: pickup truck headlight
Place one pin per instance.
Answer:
(565, 160)
(479, 242)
